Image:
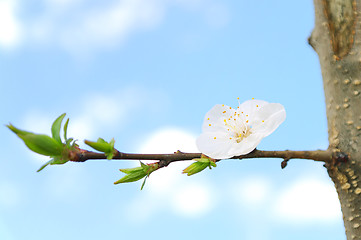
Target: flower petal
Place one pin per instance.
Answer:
(249, 107)
(268, 118)
(247, 145)
(214, 144)
(214, 119)
(221, 133)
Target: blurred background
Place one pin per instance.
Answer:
(145, 72)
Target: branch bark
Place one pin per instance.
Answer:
(337, 40)
(165, 159)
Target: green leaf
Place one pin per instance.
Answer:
(132, 177)
(195, 167)
(66, 129)
(145, 179)
(131, 170)
(39, 143)
(17, 131)
(55, 128)
(55, 160)
(102, 146)
(44, 165)
(137, 173)
(203, 159)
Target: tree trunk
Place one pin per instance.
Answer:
(337, 40)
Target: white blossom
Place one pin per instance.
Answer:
(229, 132)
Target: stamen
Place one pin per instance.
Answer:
(214, 138)
(209, 125)
(224, 111)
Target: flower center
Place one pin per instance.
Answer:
(238, 127)
(243, 135)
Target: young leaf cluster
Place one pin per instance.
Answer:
(103, 146)
(200, 165)
(135, 174)
(46, 145)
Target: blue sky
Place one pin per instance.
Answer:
(145, 72)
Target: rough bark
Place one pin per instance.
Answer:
(337, 40)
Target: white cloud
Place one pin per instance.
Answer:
(253, 191)
(82, 27)
(10, 29)
(308, 200)
(193, 200)
(169, 140)
(81, 127)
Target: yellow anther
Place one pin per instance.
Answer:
(225, 120)
(224, 111)
(207, 118)
(230, 138)
(238, 98)
(214, 137)
(209, 124)
(222, 105)
(256, 105)
(262, 120)
(247, 121)
(246, 115)
(230, 107)
(253, 98)
(228, 129)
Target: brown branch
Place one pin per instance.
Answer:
(166, 159)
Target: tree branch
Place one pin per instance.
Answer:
(165, 159)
